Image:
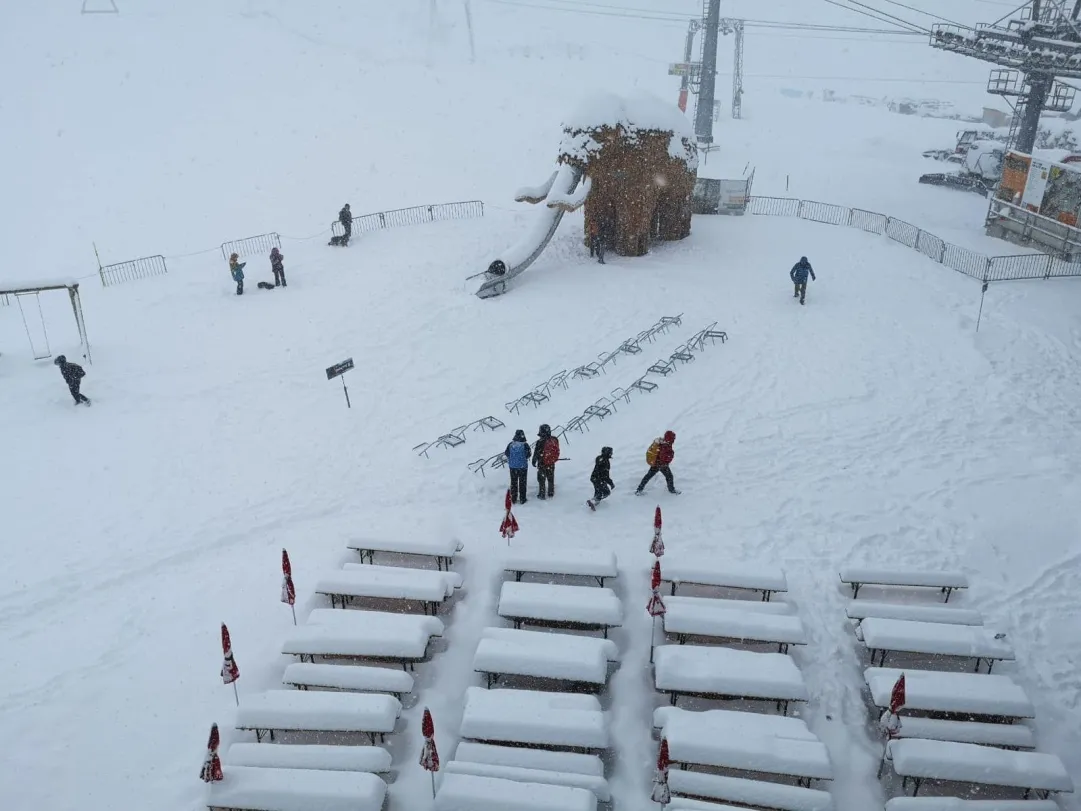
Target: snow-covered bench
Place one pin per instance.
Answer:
(697, 617)
(1004, 736)
(744, 742)
(758, 607)
(860, 610)
(372, 759)
(752, 793)
(593, 563)
(389, 583)
(555, 720)
(467, 792)
(597, 785)
(967, 694)
(562, 657)
(442, 550)
(726, 674)
(1037, 772)
(246, 788)
(525, 758)
(379, 635)
(688, 569)
(307, 711)
(946, 582)
(356, 678)
(957, 804)
(882, 636)
(558, 606)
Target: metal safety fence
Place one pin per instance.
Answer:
(248, 246)
(133, 269)
(416, 215)
(963, 260)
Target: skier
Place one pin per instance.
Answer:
(236, 268)
(798, 275)
(545, 456)
(659, 457)
(345, 217)
(518, 462)
(73, 375)
(601, 477)
(277, 264)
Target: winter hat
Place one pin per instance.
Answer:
(803, 259)
(519, 435)
(274, 251)
(669, 437)
(606, 452)
(545, 430)
(233, 256)
(60, 359)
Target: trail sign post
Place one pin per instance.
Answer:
(338, 370)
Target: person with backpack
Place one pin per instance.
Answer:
(545, 456)
(518, 463)
(236, 270)
(277, 265)
(73, 375)
(659, 457)
(798, 275)
(601, 478)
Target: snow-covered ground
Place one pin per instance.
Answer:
(872, 426)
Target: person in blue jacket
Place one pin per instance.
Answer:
(798, 275)
(518, 462)
(236, 269)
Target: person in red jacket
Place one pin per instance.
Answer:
(545, 456)
(659, 457)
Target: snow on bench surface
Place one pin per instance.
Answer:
(548, 659)
(757, 606)
(969, 763)
(428, 547)
(583, 605)
(723, 671)
(467, 792)
(933, 638)
(965, 693)
(569, 641)
(957, 804)
(372, 759)
(751, 752)
(855, 575)
(707, 570)
(725, 723)
(598, 785)
(861, 609)
(363, 633)
(393, 575)
(253, 789)
(702, 619)
(348, 677)
(757, 793)
(304, 710)
(532, 717)
(1016, 736)
(562, 561)
(525, 758)
(389, 582)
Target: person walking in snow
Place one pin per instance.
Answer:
(659, 457)
(596, 239)
(277, 264)
(545, 456)
(73, 375)
(236, 270)
(345, 217)
(518, 462)
(601, 477)
(798, 275)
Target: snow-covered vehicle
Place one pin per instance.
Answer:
(981, 168)
(966, 139)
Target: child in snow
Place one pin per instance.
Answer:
(277, 265)
(236, 269)
(545, 456)
(659, 456)
(601, 477)
(798, 275)
(73, 375)
(518, 462)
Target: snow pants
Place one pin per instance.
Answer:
(518, 478)
(665, 471)
(601, 491)
(279, 277)
(74, 389)
(801, 291)
(546, 480)
(240, 287)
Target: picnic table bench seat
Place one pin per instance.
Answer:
(712, 723)
(468, 792)
(593, 563)
(862, 609)
(915, 761)
(356, 678)
(597, 785)
(947, 582)
(442, 550)
(883, 636)
(558, 606)
(957, 804)
(247, 788)
(305, 711)
(575, 659)
(724, 673)
(334, 633)
(555, 720)
(968, 694)
(753, 793)
(1005, 736)
(373, 759)
(702, 618)
(722, 603)
(681, 568)
(526, 758)
(358, 580)
(522, 637)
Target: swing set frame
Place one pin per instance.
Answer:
(37, 289)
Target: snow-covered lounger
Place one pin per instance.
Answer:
(699, 618)
(558, 720)
(562, 561)
(308, 711)
(442, 550)
(372, 759)
(560, 606)
(754, 793)
(525, 758)
(356, 678)
(1006, 736)
(598, 785)
(467, 792)
(683, 568)
(862, 609)
(947, 582)
(971, 694)
(884, 636)
(245, 788)
(544, 656)
(389, 583)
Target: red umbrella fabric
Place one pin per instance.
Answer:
(229, 670)
(656, 607)
(211, 771)
(429, 757)
(289, 592)
(510, 525)
(657, 547)
(661, 794)
(891, 720)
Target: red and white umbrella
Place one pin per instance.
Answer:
(891, 718)
(510, 524)
(211, 771)
(429, 756)
(661, 793)
(655, 606)
(289, 591)
(229, 670)
(657, 547)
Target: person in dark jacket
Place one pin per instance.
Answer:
(545, 456)
(596, 238)
(236, 270)
(277, 264)
(798, 275)
(345, 217)
(601, 477)
(73, 375)
(518, 463)
(660, 457)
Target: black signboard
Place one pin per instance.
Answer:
(339, 368)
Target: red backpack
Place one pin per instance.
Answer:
(550, 454)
